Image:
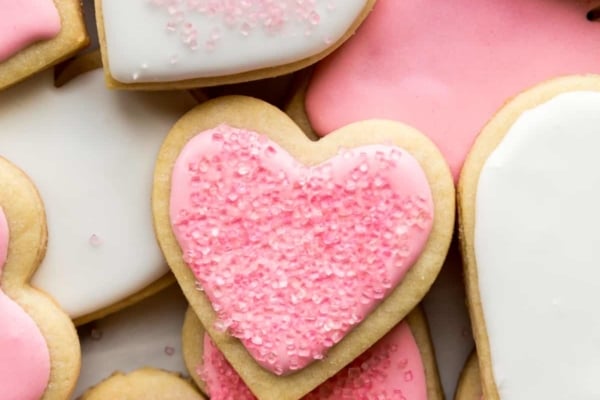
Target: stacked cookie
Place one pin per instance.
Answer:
(304, 230)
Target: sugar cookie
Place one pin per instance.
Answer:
(38, 343)
(237, 184)
(179, 44)
(528, 200)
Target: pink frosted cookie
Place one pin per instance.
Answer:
(39, 349)
(469, 386)
(399, 366)
(302, 250)
(177, 43)
(445, 67)
(35, 34)
(528, 202)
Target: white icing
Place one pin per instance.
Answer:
(142, 49)
(536, 245)
(91, 154)
(147, 334)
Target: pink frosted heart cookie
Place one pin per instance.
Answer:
(528, 202)
(177, 43)
(399, 366)
(445, 67)
(35, 34)
(39, 348)
(303, 251)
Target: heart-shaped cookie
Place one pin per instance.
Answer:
(35, 34)
(425, 63)
(102, 251)
(528, 201)
(38, 343)
(301, 251)
(399, 366)
(184, 44)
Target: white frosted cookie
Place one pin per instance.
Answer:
(528, 201)
(91, 152)
(152, 44)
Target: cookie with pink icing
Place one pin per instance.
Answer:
(528, 202)
(469, 385)
(38, 342)
(293, 251)
(184, 44)
(399, 366)
(445, 67)
(35, 34)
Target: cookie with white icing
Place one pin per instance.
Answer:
(146, 384)
(402, 363)
(176, 43)
(39, 349)
(327, 245)
(469, 385)
(528, 204)
(36, 34)
(91, 152)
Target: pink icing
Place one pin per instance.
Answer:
(445, 67)
(24, 22)
(390, 370)
(24, 355)
(292, 257)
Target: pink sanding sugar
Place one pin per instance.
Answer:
(292, 257)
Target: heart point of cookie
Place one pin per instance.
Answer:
(295, 244)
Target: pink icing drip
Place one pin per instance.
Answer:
(24, 22)
(390, 370)
(24, 356)
(445, 67)
(293, 257)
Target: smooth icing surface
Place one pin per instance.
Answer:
(147, 334)
(91, 153)
(24, 355)
(536, 241)
(391, 369)
(292, 257)
(445, 67)
(24, 22)
(172, 40)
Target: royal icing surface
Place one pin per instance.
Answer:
(172, 40)
(24, 355)
(91, 153)
(146, 334)
(536, 241)
(392, 369)
(292, 257)
(445, 67)
(24, 22)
